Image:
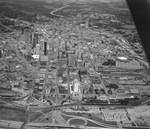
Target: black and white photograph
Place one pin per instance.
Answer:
(74, 64)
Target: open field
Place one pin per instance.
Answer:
(7, 113)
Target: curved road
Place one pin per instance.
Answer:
(96, 122)
(13, 99)
(58, 9)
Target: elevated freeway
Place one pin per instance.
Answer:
(142, 101)
(16, 125)
(139, 102)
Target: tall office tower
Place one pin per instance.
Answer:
(35, 39)
(87, 23)
(27, 36)
(37, 50)
(45, 48)
(31, 38)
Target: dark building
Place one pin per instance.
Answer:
(35, 39)
(112, 86)
(0, 53)
(45, 48)
(31, 38)
(110, 63)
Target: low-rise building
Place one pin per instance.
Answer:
(130, 64)
(115, 115)
(134, 91)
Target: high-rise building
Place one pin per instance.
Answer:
(45, 48)
(27, 36)
(37, 51)
(31, 38)
(87, 23)
(35, 39)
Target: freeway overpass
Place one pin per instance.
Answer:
(139, 102)
(46, 108)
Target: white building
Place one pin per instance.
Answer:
(76, 91)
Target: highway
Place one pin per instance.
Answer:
(10, 99)
(57, 117)
(16, 125)
(142, 101)
(100, 105)
(100, 123)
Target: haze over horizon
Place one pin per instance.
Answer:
(86, 0)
